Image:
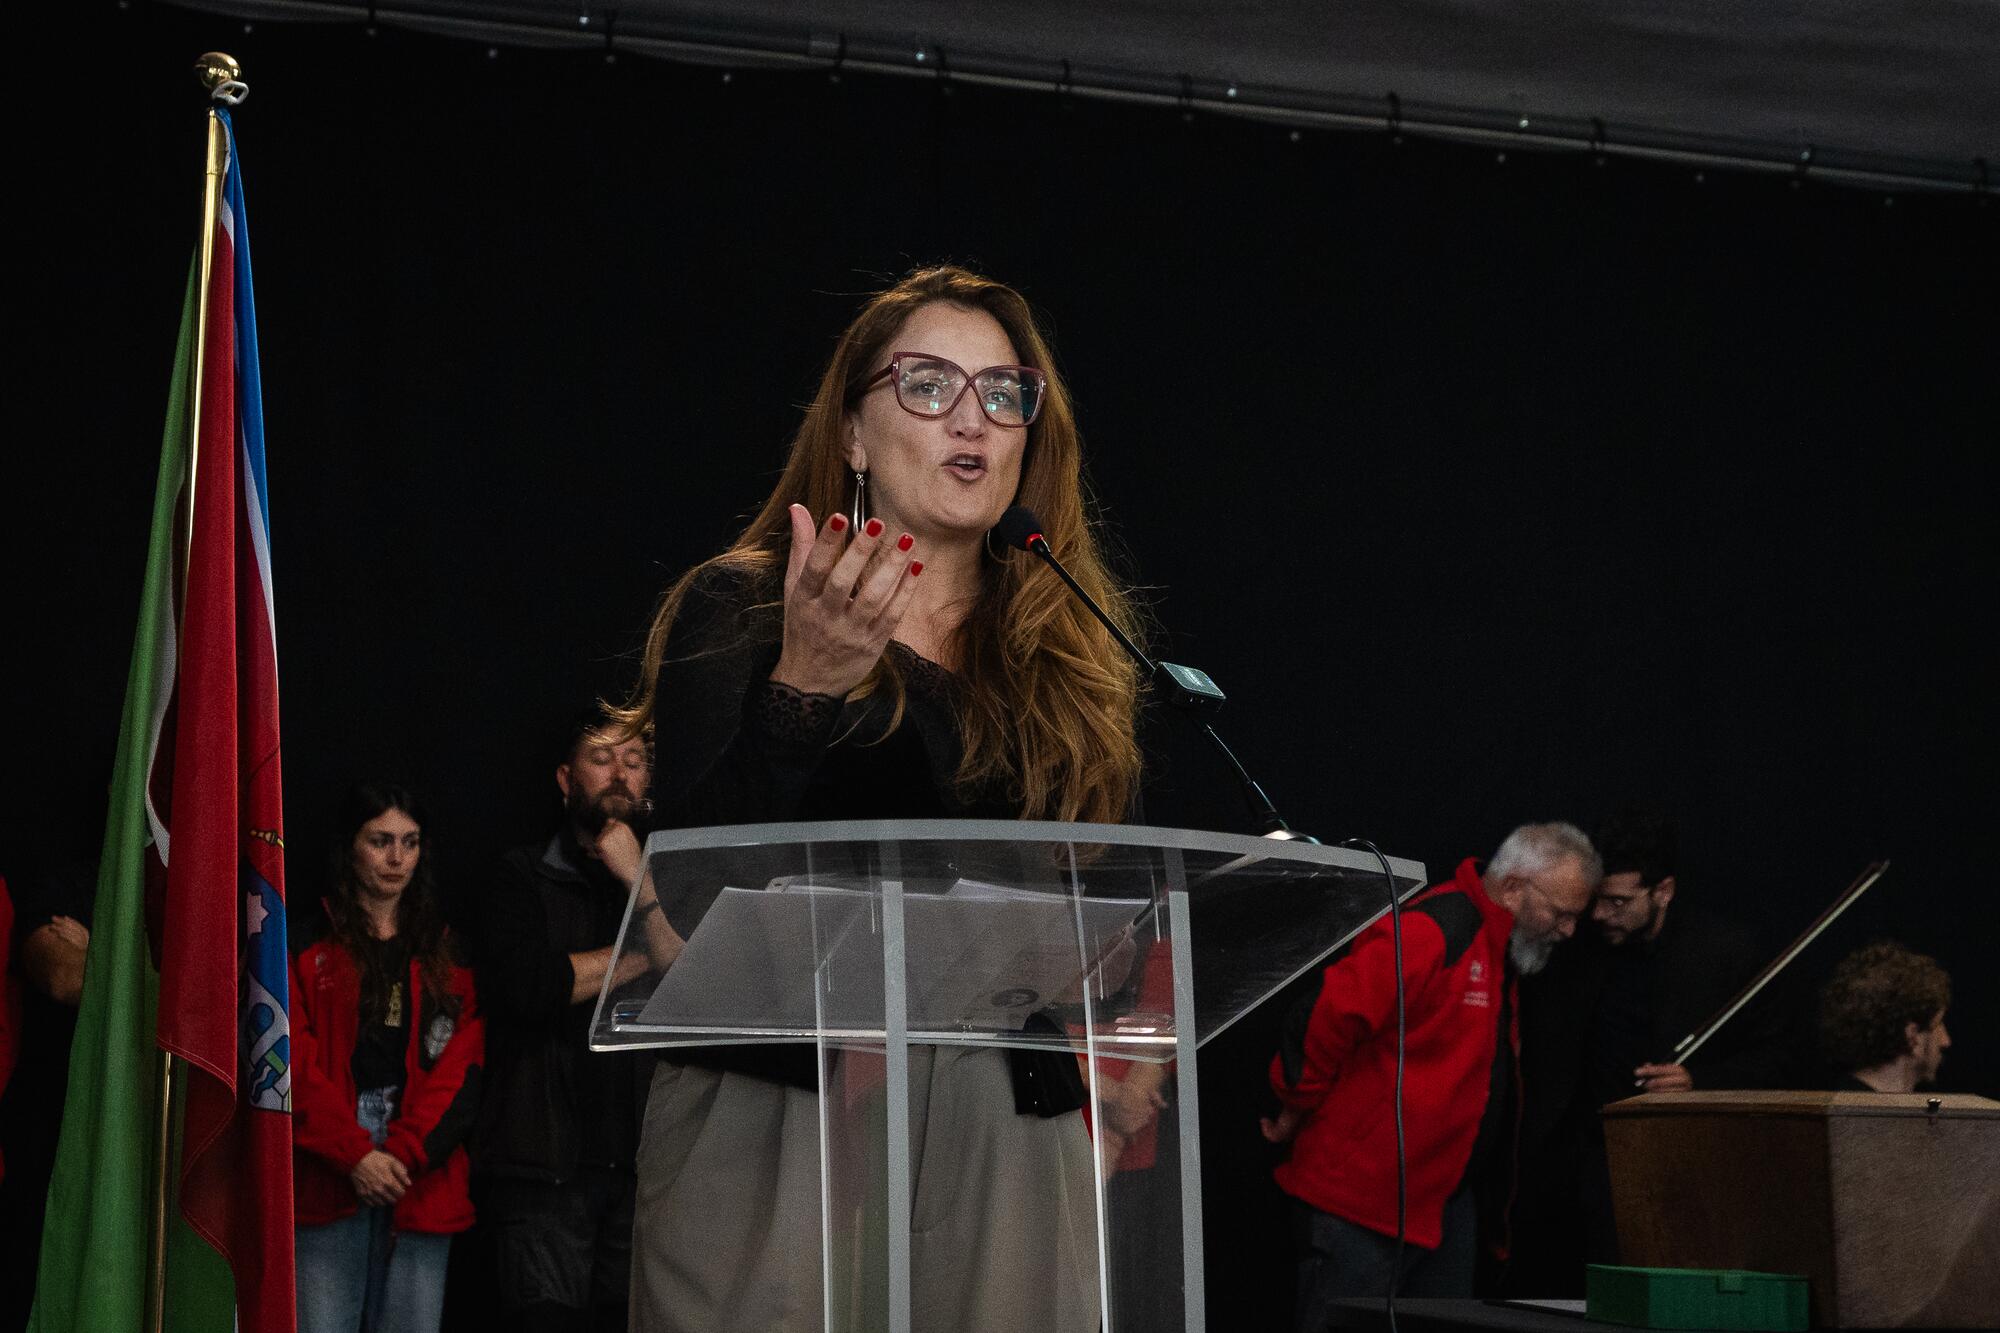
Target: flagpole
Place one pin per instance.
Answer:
(217, 73)
(156, 1255)
(223, 78)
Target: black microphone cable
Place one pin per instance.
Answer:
(1194, 692)
(1184, 688)
(1402, 1034)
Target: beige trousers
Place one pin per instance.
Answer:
(726, 1234)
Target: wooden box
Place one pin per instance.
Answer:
(1888, 1204)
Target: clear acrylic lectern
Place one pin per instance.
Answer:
(887, 945)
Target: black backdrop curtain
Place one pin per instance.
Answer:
(1491, 489)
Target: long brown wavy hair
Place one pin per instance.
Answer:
(419, 910)
(1049, 701)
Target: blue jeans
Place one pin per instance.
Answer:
(361, 1275)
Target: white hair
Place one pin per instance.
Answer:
(1532, 848)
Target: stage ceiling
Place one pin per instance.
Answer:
(1869, 92)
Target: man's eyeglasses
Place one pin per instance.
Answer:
(930, 386)
(1618, 902)
(1561, 917)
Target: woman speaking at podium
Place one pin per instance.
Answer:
(861, 652)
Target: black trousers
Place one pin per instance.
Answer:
(1338, 1259)
(561, 1254)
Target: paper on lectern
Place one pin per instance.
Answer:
(978, 959)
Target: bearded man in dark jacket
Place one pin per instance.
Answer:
(559, 1124)
(1601, 1024)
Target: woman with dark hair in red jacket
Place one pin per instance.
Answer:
(387, 1044)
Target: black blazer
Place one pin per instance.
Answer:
(732, 747)
(1701, 960)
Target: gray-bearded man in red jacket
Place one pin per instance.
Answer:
(1464, 944)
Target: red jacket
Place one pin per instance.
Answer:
(1342, 1071)
(1155, 995)
(433, 1115)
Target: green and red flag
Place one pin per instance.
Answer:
(196, 825)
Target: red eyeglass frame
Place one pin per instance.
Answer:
(1024, 373)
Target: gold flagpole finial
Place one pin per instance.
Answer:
(218, 72)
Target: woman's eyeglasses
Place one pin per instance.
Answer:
(930, 386)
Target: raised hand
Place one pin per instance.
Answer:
(618, 847)
(845, 594)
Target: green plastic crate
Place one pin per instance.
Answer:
(1718, 1298)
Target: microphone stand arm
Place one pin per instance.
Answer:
(1189, 691)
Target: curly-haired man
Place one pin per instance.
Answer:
(1881, 1018)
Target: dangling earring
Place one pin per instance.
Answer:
(992, 554)
(859, 514)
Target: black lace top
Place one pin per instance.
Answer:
(733, 747)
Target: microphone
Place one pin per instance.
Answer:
(1019, 527)
(1187, 688)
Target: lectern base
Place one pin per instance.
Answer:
(728, 1232)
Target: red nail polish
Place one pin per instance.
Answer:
(905, 542)
(838, 523)
(916, 568)
(874, 528)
